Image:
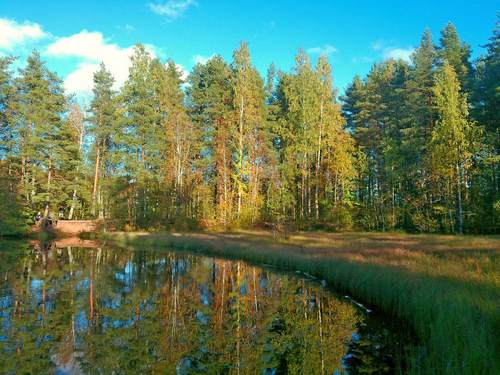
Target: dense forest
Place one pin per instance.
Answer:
(411, 146)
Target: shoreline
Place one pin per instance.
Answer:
(453, 310)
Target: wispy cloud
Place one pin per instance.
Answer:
(172, 9)
(127, 28)
(326, 50)
(392, 52)
(362, 59)
(13, 34)
(398, 53)
(201, 59)
(378, 45)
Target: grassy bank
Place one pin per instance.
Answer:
(446, 287)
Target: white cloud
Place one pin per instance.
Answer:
(13, 33)
(200, 59)
(81, 80)
(398, 53)
(378, 45)
(172, 9)
(392, 52)
(183, 71)
(92, 48)
(325, 50)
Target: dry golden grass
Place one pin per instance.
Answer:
(446, 287)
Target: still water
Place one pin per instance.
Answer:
(105, 310)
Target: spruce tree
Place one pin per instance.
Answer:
(457, 54)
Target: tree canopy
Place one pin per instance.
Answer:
(411, 146)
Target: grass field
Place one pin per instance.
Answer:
(446, 287)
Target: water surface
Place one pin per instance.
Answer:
(104, 310)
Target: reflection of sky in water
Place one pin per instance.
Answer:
(5, 302)
(166, 298)
(83, 284)
(81, 322)
(36, 284)
(204, 294)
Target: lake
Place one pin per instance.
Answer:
(103, 310)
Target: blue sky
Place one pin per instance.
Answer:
(74, 36)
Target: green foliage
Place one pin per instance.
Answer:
(429, 166)
(413, 145)
(14, 218)
(456, 54)
(440, 285)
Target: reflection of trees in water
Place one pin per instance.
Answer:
(103, 310)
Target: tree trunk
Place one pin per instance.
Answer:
(302, 194)
(100, 204)
(318, 164)
(96, 179)
(460, 219)
(23, 178)
(320, 324)
(308, 182)
(49, 178)
(74, 199)
(225, 187)
(91, 296)
(240, 157)
(73, 205)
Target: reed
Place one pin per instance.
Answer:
(446, 288)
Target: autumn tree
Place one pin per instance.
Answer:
(451, 142)
(249, 117)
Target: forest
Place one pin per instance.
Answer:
(412, 146)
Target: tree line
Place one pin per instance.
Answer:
(411, 146)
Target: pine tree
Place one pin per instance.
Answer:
(7, 112)
(488, 88)
(353, 94)
(210, 107)
(419, 120)
(103, 119)
(373, 109)
(180, 135)
(13, 219)
(486, 102)
(419, 90)
(142, 135)
(41, 106)
(73, 142)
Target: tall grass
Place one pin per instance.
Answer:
(447, 289)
